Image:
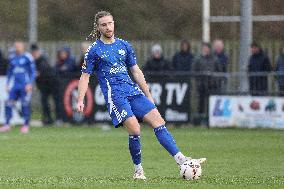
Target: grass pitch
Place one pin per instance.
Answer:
(88, 157)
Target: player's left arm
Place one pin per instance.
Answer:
(32, 73)
(139, 78)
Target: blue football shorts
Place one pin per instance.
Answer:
(122, 108)
(20, 93)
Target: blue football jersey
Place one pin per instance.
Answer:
(21, 70)
(110, 62)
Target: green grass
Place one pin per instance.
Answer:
(87, 157)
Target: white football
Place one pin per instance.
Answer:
(191, 170)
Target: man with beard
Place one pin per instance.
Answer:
(128, 101)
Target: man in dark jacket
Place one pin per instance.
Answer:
(157, 63)
(280, 70)
(204, 65)
(218, 46)
(3, 64)
(47, 83)
(65, 61)
(258, 63)
(183, 59)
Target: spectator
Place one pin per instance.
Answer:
(280, 70)
(157, 62)
(218, 46)
(84, 47)
(258, 62)
(204, 65)
(47, 83)
(183, 59)
(3, 64)
(65, 62)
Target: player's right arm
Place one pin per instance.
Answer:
(82, 89)
(31, 70)
(87, 70)
(137, 74)
(139, 78)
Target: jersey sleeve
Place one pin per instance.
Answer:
(89, 61)
(131, 57)
(32, 72)
(31, 68)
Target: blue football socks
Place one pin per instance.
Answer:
(135, 148)
(26, 113)
(166, 139)
(8, 111)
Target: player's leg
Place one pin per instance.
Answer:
(8, 115)
(9, 104)
(46, 115)
(56, 101)
(25, 100)
(121, 114)
(133, 129)
(155, 120)
(145, 110)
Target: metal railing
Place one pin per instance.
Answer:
(143, 50)
(204, 84)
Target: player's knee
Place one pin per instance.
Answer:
(132, 126)
(134, 131)
(137, 133)
(163, 122)
(156, 120)
(25, 104)
(159, 122)
(9, 103)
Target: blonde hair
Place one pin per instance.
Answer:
(95, 33)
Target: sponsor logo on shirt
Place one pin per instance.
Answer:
(18, 70)
(117, 69)
(121, 52)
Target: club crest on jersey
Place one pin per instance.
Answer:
(117, 69)
(123, 113)
(121, 52)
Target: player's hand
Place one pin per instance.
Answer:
(28, 88)
(80, 106)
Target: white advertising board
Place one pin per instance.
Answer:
(246, 111)
(16, 119)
